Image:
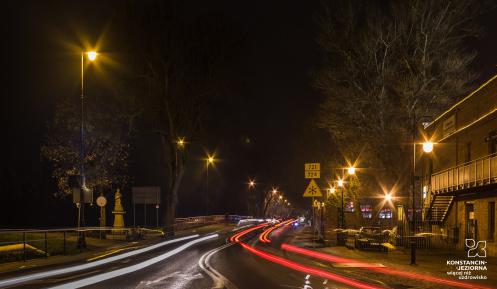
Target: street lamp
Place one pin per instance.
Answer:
(181, 142)
(251, 184)
(209, 161)
(340, 185)
(91, 55)
(388, 197)
(427, 148)
(351, 170)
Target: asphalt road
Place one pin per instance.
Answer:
(217, 263)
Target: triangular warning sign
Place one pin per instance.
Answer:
(312, 190)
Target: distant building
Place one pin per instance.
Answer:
(459, 184)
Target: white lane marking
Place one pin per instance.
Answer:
(56, 272)
(116, 273)
(176, 274)
(219, 281)
(163, 278)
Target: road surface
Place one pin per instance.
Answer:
(215, 262)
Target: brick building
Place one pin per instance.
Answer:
(459, 183)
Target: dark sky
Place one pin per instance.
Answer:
(264, 129)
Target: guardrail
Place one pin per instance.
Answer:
(24, 244)
(478, 172)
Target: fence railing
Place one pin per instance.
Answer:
(478, 172)
(22, 244)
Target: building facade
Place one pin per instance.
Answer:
(459, 178)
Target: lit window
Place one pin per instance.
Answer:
(367, 211)
(349, 207)
(386, 214)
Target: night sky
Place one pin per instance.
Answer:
(263, 130)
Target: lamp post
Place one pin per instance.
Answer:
(340, 185)
(209, 161)
(427, 148)
(92, 55)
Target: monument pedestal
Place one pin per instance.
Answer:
(118, 231)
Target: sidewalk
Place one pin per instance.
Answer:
(99, 248)
(432, 262)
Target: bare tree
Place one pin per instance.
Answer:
(386, 64)
(182, 56)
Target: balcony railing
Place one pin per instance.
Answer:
(475, 173)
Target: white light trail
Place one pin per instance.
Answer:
(56, 272)
(119, 272)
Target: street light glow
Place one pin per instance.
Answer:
(388, 197)
(340, 183)
(251, 184)
(92, 55)
(428, 147)
(181, 142)
(351, 170)
(274, 191)
(210, 160)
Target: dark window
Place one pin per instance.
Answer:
(492, 142)
(491, 220)
(467, 156)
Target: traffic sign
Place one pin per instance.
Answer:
(312, 170)
(312, 166)
(101, 201)
(312, 190)
(312, 174)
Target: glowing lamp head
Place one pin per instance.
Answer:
(251, 184)
(332, 190)
(351, 170)
(388, 197)
(280, 197)
(428, 147)
(274, 191)
(210, 160)
(181, 142)
(340, 183)
(92, 55)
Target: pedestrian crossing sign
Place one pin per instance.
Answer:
(312, 190)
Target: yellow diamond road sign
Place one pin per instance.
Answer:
(312, 190)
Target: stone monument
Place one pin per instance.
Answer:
(118, 233)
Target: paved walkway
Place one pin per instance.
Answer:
(432, 262)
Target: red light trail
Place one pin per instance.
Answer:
(307, 269)
(264, 237)
(237, 236)
(388, 271)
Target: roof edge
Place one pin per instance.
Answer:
(461, 101)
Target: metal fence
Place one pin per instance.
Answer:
(475, 173)
(21, 244)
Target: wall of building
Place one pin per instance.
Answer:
(470, 122)
(457, 222)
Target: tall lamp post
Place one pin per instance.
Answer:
(91, 55)
(427, 148)
(340, 185)
(208, 161)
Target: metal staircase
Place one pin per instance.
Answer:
(439, 208)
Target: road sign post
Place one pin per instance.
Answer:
(312, 171)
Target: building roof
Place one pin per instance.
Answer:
(461, 101)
